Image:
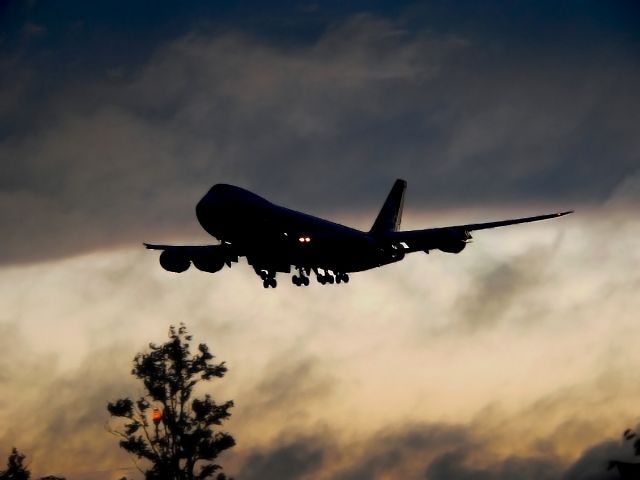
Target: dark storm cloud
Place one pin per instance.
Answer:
(119, 152)
(403, 453)
(398, 453)
(296, 458)
(593, 463)
(429, 451)
(453, 466)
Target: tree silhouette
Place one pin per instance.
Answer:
(15, 470)
(627, 469)
(631, 436)
(165, 425)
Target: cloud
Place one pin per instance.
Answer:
(31, 29)
(403, 452)
(58, 418)
(104, 161)
(452, 466)
(504, 285)
(290, 383)
(593, 463)
(345, 382)
(429, 451)
(290, 459)
(627, 193)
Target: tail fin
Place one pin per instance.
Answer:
(388, 220)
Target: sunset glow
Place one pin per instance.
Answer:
(517, 358)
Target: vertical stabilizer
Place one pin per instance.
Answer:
(388, 220)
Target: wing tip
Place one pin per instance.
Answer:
(562, 214)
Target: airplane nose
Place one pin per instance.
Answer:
(208, 211)
(222, 209)
(203, 206)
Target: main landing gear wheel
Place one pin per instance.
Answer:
(326, 277)
(268, 278)
(270, 282)
(342, 278)
(301, 278)
(300, 281)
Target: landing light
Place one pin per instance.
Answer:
(304, 239)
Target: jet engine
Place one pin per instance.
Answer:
(453, 241)
(211, 262)
(174, 262)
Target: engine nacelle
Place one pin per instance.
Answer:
(174, 262)
(453, 241)
(208, 262)
(453, 246)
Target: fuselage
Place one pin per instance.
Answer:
(278, 237)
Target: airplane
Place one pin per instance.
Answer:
(276, 239)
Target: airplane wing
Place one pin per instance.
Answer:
(453, 239)
(183, 248)
(503, 223)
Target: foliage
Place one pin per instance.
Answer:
(182, 442)
(631, 436)
(15, 469)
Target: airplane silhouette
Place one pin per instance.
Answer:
(276, 239)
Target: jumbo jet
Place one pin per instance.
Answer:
(275, 239)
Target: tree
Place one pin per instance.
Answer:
(15, 470)
(165, 425)
(631, 436)
(627, 469)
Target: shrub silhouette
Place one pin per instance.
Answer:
(15, 468)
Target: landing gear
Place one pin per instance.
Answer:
(301, 279)
(330, 277)
(269, 282)
(322, 276)
(342, 278)
(268, 278)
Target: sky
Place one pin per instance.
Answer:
(516, 358)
